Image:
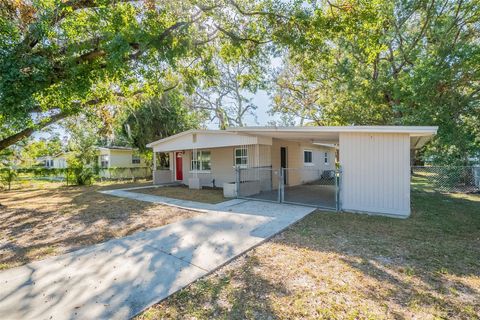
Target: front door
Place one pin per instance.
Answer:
(178, 166)
(283, 163)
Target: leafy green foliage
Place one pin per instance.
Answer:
(158, 118)
(40, 148)
(82, 159)
(7, 176)
(385, 62)
(63, 58)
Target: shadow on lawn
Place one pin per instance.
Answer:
(231, 295)
(51, 221)
(119, 278)
(427, 261)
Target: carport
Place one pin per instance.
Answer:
(372, 173)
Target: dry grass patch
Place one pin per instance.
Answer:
(206, 195)
(36, 223)
(347, 266)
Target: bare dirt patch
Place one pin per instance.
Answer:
(206, 195)
(36, 223)
(350, 266)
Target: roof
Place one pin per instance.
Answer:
(117, 148)
(184, 133)
(412, 130)
(57, 155)
(328, 135)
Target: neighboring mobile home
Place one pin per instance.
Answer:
(298, 164)
(121, 162)
(114, 162)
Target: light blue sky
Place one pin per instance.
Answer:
(261, 99)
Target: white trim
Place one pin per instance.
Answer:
(197, 152)
(412, 130)
(200, 171)
(181, 134)
(242, 166)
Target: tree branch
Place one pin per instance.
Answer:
(25, 133)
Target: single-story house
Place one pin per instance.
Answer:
(113, 161)
(58, 161)
(351, 168)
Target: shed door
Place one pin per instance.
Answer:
(178, 166)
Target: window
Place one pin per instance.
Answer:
(241, 157)
(135, 158)
(201, 161)
(326, 158)
(308, 157)
(104, 161)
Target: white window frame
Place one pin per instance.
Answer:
(49, 163)
(326, 159)
(244, 156)
(308, 164)
(104, 158)
(199, 155)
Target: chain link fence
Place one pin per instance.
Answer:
(459, 179)
(307, 186)
(258, 182)
(14, 178)
(311, 186)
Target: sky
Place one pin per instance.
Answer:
(261, 99)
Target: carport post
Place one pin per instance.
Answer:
(337, 175)
(237, 181)
(338, 184)
(282, 185)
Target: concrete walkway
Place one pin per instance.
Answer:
(121, 277)
(131, 194)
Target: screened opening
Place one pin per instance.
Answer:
(163, 160)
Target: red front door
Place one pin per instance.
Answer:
(178, 166)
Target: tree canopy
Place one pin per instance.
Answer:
(355, 62)
(385, 63)
(59, 58)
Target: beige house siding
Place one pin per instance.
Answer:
(221, 167)
(298, 172)
(120, 158)
(222, 164)
(375, 172)
(120, 165)
(259, 155)
(264, 156)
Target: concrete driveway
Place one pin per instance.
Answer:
(120, 278)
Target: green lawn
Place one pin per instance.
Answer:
(350, 266)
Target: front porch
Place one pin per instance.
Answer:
(253, 167)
